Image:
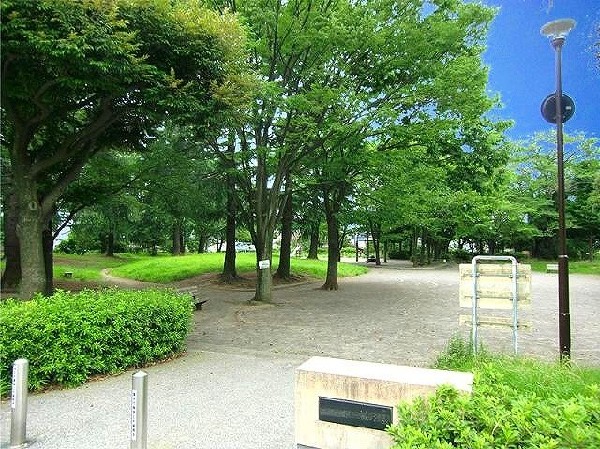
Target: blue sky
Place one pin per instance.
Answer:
(521, 63)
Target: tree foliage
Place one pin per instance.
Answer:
(80, 77)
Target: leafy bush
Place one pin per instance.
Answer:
(461, 255)
(69, 337)
(459, 355)
(515, 402)
(399, 255)
(71, 246)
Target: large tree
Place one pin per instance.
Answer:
(430, 94)
(338, 72)
(534, 186)
(79, 76)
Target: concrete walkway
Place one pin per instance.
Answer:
(234, 387)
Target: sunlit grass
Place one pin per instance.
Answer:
(522, 374)
(176, 268)
(88, 267)
(318, 268)
(575, 267)
(173, 268)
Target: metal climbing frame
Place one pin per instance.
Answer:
(475, 311)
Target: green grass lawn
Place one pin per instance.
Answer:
(575, 267)
(175, 268)
(87, 267)
(166, 268)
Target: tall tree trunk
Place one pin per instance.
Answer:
(229, 273)
(413, 247)
(423, 248)
(264, 231)
(430, 244)
(376, 234)
(110, 244)
(385, 251)
(313, 248)
(264, 278)
(202, 241)
(285, 253)
(103, 242)
(333, 249)
(342, 236)
(11, 277)
(176, 237)
(29, 231)
(47, 244)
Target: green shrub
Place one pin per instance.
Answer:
(461, 255)
(69, 337)
(515, 403)
(458, 355)
(399, 255)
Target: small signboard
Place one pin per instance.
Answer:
(494, 285)
(355, 413)
(264, 264)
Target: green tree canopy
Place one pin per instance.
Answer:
(79, 77)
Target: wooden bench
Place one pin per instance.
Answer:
(551, 268)
(194, 292)
(68, 274)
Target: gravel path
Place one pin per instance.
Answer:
(394, 314)
(234, 387)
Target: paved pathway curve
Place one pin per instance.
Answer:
(393, 314)
(235, 386)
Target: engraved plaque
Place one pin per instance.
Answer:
(354, 413)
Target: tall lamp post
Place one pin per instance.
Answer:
(557, 31)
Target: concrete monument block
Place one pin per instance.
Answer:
(346, 404)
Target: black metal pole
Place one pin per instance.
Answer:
(564, 315)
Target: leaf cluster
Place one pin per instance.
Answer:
(78, 77)
(515, 403)
(70, 337)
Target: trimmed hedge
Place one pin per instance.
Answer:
(69, 337)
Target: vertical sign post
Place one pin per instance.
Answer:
(557, 32)
(139, 410)
(18, 403)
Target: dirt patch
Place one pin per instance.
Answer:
(243, 282)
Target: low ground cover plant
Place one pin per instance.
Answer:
(515, 403)
(70, 337)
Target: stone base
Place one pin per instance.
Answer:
(363, 382)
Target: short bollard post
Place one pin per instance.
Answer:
(18, 403)
(139, 410)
